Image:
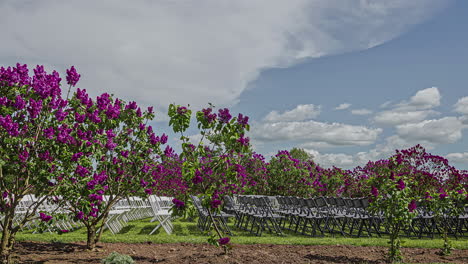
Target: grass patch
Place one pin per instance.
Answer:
(184, 231)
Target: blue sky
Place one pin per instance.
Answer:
(349, 81)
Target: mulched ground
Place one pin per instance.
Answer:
(38, 252)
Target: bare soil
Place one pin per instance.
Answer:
(41, 252)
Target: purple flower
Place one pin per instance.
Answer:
(95, 197)
(23, 156)
(374, 191)
(197, 179)
(103, 101)
(181, 110)
(443, 195)
(224, 240)
(244, 141)
(72, 76)
(79, 118)
(149, 191)
(76, 156)
(80, 215)
(131, 105)
(400, 185)
(124, 153)
(19, 103)
(44, 217)
(110, 144)
(164, 138)
(224, 115)
(81, 171)
(178, 203)
(215, 203)
(412, 206)
(210, 117)
(243, 120)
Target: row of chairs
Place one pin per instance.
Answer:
(331, 215)
(133, 208)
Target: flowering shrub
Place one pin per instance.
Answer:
(391, 197)
(112, 153)
(211, 170)
(445, 205)
(29, 106)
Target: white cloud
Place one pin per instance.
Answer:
(343, 106)
(380, 151)
(423, 99)
(462, 105)
(300, 113)
(361, 111)
(158, 52)
(458, 157)
(416, 109)
(438, 131)
(395, 117)
(331, 133)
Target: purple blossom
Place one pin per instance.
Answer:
(210, 117)
(400, 185)
(19, 103)
(110, 144)
(244, 141)
(178, 203)
(181, 110)
(80, 215)
(49, 133)
(243, 120)
(95, 197)
(60, 115)
(197, 179)
(80, 118)
(72, 76)
(34, 108)
(215, 203)
(44, 217)
(103, 101)
(374, 191)
(224, 116)
(131, 105)
(149, 191)
(224, 240)
(23, 156)
(81, 171)
(164, 138)
(412, 206)
(77, 156)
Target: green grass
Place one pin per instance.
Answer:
(184, 231)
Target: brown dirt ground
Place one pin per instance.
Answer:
(38, 252)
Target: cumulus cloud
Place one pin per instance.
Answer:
(379, 151)
(158, 52)
(423, 99)
(458, 157)
(362, 111)
(444, 130)
(395, 117)
(300, 113)
(343, 106)
(416, 109)
(336, 134)
(462, 105)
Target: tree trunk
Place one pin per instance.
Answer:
(8, 240)
(91, 241)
